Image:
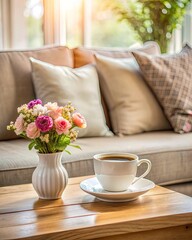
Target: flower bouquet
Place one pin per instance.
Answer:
(50, 129)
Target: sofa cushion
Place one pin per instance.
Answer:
(170, 154)
(132, 106)
(16, 83)
(83, 56)
(184, 188)
(78, 85)
(170, 77)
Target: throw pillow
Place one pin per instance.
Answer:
(132, 106)
(80, 86)
(83, 56)
(170, 77)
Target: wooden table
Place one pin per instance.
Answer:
(158, 214)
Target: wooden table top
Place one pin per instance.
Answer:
(81, 216)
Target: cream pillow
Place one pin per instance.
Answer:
(132, 106)
(80, 86)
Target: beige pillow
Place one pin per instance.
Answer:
(170, 77)
(80, 86)
(132, 106)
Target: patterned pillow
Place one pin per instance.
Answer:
(170, 78)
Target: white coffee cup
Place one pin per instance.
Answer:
(117, 171)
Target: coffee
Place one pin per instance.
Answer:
(117, 158)
(117, 171)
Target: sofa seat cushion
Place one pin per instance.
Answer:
(170, 154)
(16, 81)
(184, 188)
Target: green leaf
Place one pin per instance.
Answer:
(60, 147)
(37, 147)
(67, 140)
(31, 145)
(75, 146)
(68, 152)
(62, 142)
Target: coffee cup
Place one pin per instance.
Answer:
(117, 171)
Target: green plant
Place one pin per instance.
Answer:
(152, 19)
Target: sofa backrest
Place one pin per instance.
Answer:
(15, 75)
(16, 83)
(83, 56)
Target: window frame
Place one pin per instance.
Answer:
(187, 24)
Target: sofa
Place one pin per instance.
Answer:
(169, 152)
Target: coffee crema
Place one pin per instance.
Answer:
(117, 158)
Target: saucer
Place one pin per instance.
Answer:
(93, 187)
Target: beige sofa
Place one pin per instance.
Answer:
(170, 153)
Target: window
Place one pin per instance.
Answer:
(74, 18)
(184, 33)
(92, 23)
(107, 30)
(187, 26)
(33, 14)
(21, 24)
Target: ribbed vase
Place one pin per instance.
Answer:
(50, 177)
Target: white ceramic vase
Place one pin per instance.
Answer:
(50, 177)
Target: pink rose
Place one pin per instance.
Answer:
(19, 125)
(79, 120)
(32, 131)
(62, 125)
(54, 111)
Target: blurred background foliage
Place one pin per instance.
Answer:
(151, 19)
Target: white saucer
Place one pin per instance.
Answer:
(93, 187)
